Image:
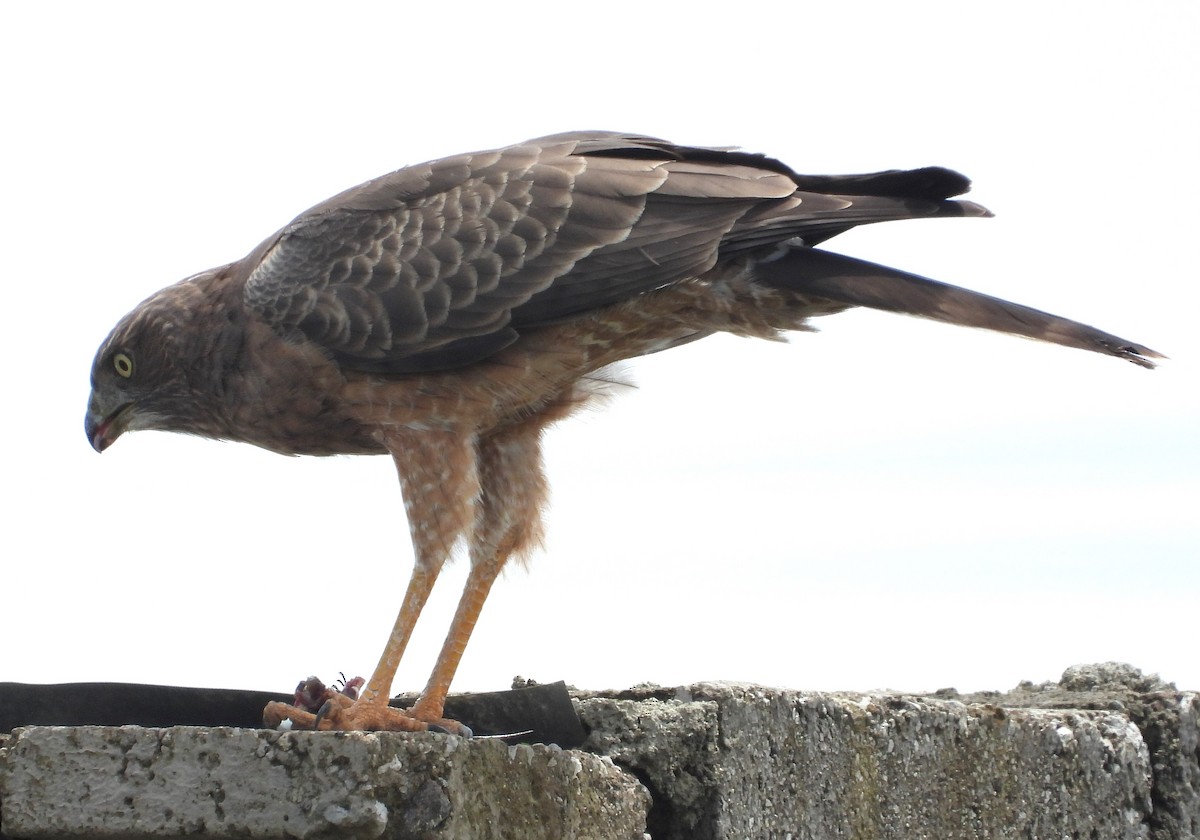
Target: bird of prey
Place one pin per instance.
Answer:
(447, 313)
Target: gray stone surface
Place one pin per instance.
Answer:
(131, 782)
(1168, 720)
(1109, 754)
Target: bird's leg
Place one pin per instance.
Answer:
(440, 483)
(420, 584)
(507, 522)
(429, 707)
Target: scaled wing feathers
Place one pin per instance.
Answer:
(442, 264)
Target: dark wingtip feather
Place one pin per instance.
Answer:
(930, 183)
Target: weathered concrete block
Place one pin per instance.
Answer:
(1170, 723)
(1168, 719)
(1105, 754)
(733, 761)
(132, 782)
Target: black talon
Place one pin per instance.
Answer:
(321, 712)
(464, 731)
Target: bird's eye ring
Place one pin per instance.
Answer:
(123, 365)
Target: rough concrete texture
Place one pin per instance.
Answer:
(733, 761)
(133, 782)
(1168, 720)
(1105, 754)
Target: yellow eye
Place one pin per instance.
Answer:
(123, 365)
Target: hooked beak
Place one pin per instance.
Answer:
(103, 430)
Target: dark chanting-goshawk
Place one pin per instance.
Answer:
(447, 313)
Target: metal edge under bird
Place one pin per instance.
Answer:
(447, 313)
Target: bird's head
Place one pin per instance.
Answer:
(143, 373)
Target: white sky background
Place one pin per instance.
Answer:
(890, 503)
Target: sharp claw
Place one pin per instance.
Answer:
(321, 712)
(463, 731)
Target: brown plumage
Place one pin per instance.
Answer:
(448, 312)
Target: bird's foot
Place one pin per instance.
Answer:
(341, 712)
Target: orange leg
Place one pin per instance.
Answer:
(433, 699)
(507, 523)
(419, 587)
(444, 476)
(439, 480)
(371, 711)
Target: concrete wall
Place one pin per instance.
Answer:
(1105, 753)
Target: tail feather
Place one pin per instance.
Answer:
(860, 283)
